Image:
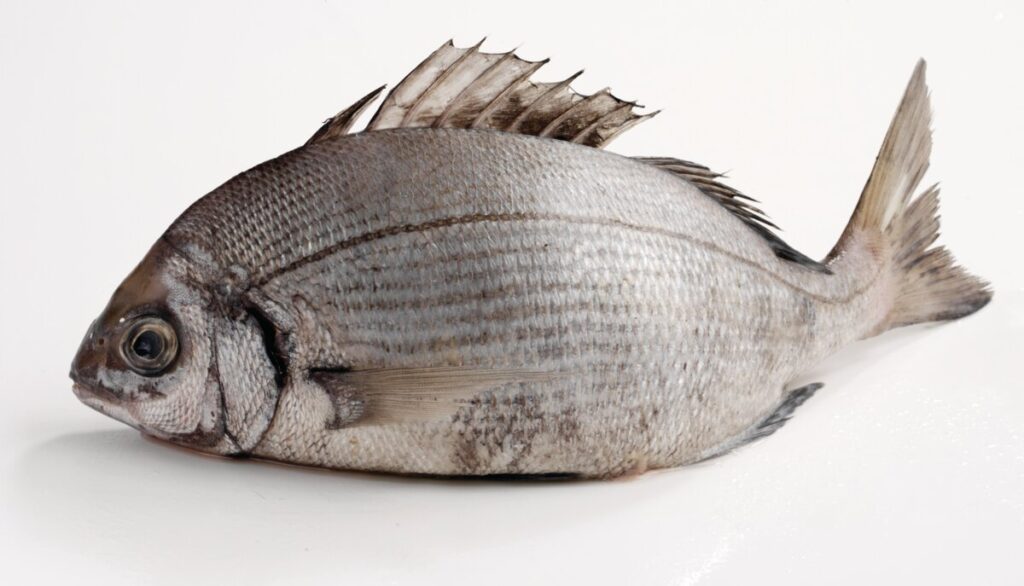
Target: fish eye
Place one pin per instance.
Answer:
(149, 346)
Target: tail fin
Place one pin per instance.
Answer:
(928, 284)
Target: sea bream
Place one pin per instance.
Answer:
(472, 286)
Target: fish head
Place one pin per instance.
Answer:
(147, 361)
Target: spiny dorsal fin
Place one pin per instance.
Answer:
(466, 88)
(342, 122)
(736, 203)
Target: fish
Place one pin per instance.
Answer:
(472, 285)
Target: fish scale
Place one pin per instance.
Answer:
(583, 317)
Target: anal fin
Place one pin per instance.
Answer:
(783, 412)
(770, 424)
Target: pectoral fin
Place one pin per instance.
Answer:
(403, 395)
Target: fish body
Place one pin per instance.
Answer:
(441, 295)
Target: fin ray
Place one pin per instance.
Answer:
(784, 412)
(402, 395)
(467, 88)
(737, 204)
(770, 424)
(927, 283)
(342, 122)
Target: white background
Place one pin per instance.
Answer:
(907, 468)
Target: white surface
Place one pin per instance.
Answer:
(907, 468)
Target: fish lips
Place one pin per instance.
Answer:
(102, 400)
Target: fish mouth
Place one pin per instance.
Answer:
(84, 390)
(104, 401)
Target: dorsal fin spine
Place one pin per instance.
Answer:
(557, 121)
(392, 96)
(456, 102)
(554, 89)
(465, 88)
(342, 122)
(593, 126)
(448, 72)
(623, 128)
(489, 109)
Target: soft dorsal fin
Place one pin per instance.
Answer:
(707, 181)
(738, 205)
(466, 88)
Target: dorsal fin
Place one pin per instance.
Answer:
(342, 122)
(466, 88)
(738, 204)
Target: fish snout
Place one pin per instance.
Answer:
(85, 375)
(89, 356)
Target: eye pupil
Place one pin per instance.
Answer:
(148, 344)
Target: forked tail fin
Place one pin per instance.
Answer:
(928, 284)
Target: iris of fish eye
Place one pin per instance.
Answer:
(150, 346)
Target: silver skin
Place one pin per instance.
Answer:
(674, 325)
(666, 327)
